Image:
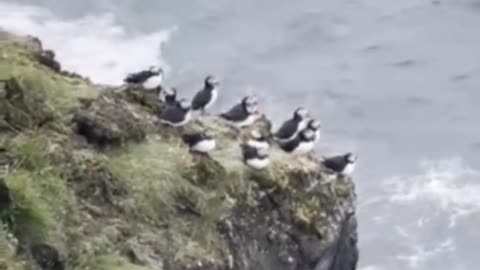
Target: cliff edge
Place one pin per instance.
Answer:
(89, 181)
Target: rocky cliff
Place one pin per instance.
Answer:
(89, 181)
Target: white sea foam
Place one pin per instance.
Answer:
(94, 46)
(450, 185)
(423, 216)
(420, 254)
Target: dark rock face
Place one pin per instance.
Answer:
(47, 58)
(108, 121)
(343, 253)
(47, 257)
(5, 196)
(268, 237)
(148, 99)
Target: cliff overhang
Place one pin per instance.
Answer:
(89, 181)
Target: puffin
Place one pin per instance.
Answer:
(315, 126)
(205, 98)
(169, 96)
(256, 158)
(199, 142)
(303, 143)
(150, 79)
(243, 114)
(258, 140)
(343, 165)
(289, 129)
(177, 115)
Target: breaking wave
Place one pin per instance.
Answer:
(425, 218)
(94, 45)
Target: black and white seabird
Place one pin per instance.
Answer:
(243, 114)
(178, 115)
(151, 79)
(256, 158)
(258, 140)
(291, 127)
(315, 126)
(199, 142)
(303, 143)
(207, 96)
(169, 96)
(342, 164)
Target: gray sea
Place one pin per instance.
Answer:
(395, 81)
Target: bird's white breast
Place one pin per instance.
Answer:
(258, 144)
(348, 170)
(303, 148)
(204, 146)
(213, 98)
(247, 121)
(185, 120)
(317, 135)
(258, 163)
(153, 82)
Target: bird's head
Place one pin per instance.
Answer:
(211, 81)
(351, 158)
(300, 113)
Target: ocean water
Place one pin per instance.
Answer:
(397, 82)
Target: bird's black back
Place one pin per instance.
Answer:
(290, 145)
(194, 138)
(287, 129)
(201, 99)
(173, 114)
(248, 152)
(171, 100)
(236, 113)
(139, 77)
(335, 163)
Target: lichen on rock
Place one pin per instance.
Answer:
(91, 180)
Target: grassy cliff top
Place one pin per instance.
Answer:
(88, 172)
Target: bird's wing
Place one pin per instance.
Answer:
(191, 138)
(248, 152)
(172, 114)
(138, 77)
(286, 130)
(236, 113)
(290, 145)
(201, 99)
(336, 163)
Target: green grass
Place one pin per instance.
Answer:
(7, 252)
(159, 173)
(152, 172)
(116, 263)
(32, 215)
(61, 93)
(41, 198)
